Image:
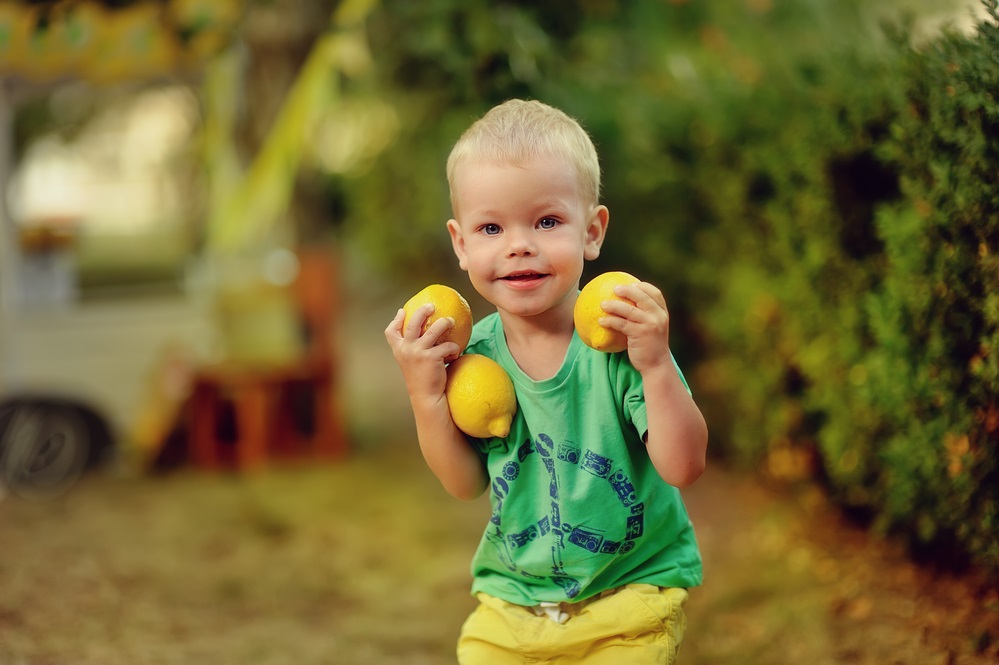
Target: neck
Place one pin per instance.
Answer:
(538, 343)
(556, 322)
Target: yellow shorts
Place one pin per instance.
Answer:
(637, 624)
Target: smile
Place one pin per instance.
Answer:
(523, 277)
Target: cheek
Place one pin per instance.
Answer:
(477, 272)
(480, 250)
(476, 262)
(568, 254)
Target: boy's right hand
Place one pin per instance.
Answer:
(421, 357)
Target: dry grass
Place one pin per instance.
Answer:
(367, 562)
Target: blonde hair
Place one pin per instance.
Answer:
(517, 131)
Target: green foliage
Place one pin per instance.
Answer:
(813, 193)
(934, 315)
(650, 81)
(850, 263)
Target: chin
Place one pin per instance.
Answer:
(525, 309)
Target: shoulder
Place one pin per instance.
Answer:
(485, 332)
(614, 365)
(486, 327)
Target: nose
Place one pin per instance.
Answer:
(520, 243)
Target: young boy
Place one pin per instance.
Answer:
(589, 551)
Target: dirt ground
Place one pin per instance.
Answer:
(337, 563)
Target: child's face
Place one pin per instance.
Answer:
(523, 232)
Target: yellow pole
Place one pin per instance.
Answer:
(258, 201)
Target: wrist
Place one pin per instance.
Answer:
(663, 373)
(429, 404)
(662, 367)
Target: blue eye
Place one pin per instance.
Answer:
(491, 229)
(548, 223)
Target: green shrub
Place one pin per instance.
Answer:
(935, 315)
(852, 288)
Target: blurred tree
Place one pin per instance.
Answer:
(654, 83)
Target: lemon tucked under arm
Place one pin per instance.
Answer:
(480, 396)
(446, 302)
(587, 312)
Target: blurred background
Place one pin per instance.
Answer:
(211, 209)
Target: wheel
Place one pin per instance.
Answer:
(43, 449)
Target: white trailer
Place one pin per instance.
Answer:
(74, 373)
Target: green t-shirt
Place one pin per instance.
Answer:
(577, 506)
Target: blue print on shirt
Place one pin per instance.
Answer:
(562, 460)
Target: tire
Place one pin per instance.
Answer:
(44, 448)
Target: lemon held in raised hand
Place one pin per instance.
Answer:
(480, 396)
(587, 313)
(447, 303)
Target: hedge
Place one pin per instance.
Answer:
(847, 288)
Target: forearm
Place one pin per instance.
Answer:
(677, 437)
(446, 450)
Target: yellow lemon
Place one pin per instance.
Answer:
(587, 312)
(480, 396)
(447, 302)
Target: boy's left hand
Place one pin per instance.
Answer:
(646, 323)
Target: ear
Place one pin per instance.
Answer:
(596, 230)
(458, 243)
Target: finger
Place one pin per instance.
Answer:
(437, 330)
(658, 297)
(645, 296)
(654, 293)
(643, 310)
(632, 328)
(394, 329)
(414, 327)
(614, 322)
(449, 351)
(639, 304)
(620, 308)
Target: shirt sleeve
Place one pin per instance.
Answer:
(632, 391)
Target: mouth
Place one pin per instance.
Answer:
(523, 276)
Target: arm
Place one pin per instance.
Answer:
(677, 437)
(444, 447)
